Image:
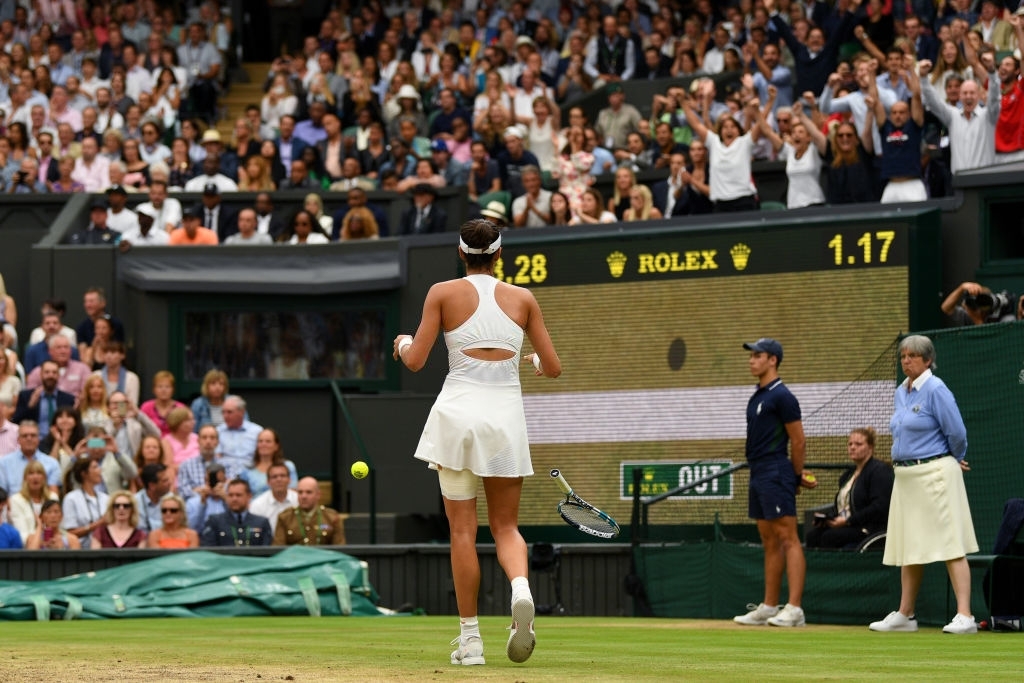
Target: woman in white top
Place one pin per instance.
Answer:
(476, 429)
(306, 230)
(803, 163)
(543, 133)
(277, 102)
(494, 92)
(730, 151)
(84, 506)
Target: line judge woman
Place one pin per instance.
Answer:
(476, 430)
(929, 519)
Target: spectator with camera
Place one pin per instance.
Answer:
(975, 304)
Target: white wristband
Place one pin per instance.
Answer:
(536, 363)
(403, 345)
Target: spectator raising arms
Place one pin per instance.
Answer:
(803, 163)
(730, 151)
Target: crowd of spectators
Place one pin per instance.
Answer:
(84, 464)
(123, 98)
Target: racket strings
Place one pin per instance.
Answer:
(586, 517)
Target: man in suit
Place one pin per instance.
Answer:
(669, 195)
(41, 403)
(237, 526)
(655, 65)
(817, 57)
(993, 29)
(266, 221)
(423, 216)
(216, 216)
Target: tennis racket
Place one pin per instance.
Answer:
(581, 514)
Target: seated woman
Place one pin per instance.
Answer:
(119, 526)
(49, 535)
(92, 353)
(268, 452)
(591, 211)
(207, 408)
(175, 533)
(152, 451)
(83, 507)
(641, 205)
(93, 403)
(182, 441)
(66, 432)
(25, 506)
(115, 375)
(862, 504)
(160, 406)
(359, 224)
(625, 181)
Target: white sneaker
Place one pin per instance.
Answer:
(895, 621)
(522, 639)
(961, 624)
(757, 616)
(470, 651)
(790, 616)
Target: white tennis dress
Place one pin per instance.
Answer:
(477, 422)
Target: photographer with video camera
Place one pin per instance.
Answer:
(974, 304)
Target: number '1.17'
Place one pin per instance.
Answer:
(867, 243)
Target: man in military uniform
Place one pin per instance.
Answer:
(310, 523)
(237, 526)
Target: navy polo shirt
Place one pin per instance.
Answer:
(769, 410)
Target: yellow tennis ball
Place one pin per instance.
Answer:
(360, 469)
(810, 478)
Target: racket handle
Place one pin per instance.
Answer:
(562, 483)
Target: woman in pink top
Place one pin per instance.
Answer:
(160, 406)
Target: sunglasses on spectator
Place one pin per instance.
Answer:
(122, 506)
(170, 511)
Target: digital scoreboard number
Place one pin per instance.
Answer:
(650, 327)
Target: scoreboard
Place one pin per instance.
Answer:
(649, 326)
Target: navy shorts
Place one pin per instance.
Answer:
(772, 492)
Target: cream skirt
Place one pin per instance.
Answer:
(929, 518)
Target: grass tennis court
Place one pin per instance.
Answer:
(416, 649)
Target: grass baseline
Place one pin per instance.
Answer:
(416, 648)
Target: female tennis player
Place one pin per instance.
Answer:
(476, 429)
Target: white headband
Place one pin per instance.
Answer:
(495, 245)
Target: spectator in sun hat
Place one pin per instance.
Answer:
(495, 212)
(513, 159)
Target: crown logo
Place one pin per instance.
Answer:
(740, 255)
(648, 475)
(616, 263)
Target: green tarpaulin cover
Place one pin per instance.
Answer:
(295, 581)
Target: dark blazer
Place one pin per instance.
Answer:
(226, 223)
(927, 47)
(23, 412)
(436, 221)
(659, 197)
(869, 499)
(297, 146)
(812, 72)
(224, 530)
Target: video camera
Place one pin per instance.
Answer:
(998, 306)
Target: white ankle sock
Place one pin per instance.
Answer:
(470, 627)
(521, 586)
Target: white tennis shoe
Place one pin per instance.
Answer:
(522, 639)
(470, 651)
(895, 621)
(757, 616)
(960, 625)
(789, 616)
